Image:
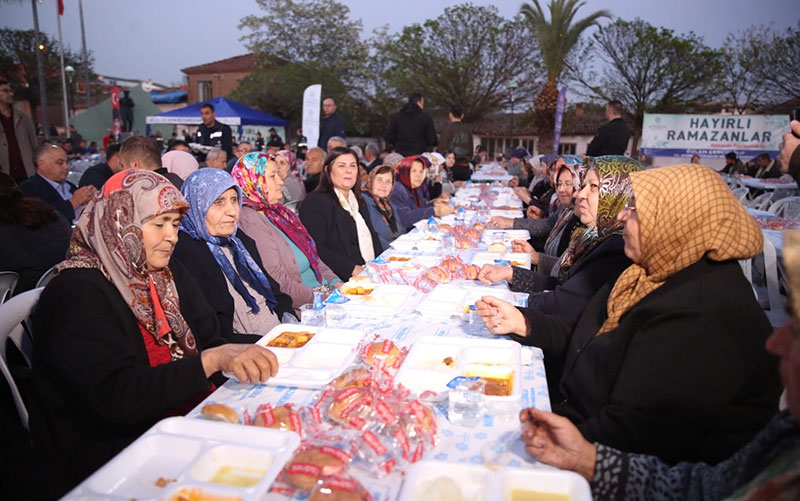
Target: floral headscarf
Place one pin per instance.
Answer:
(249, 175)
(686, 212)
(577, 171)
(615, 190)
(201, 189)
(108, 237)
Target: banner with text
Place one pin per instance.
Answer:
(712, 136)
(311, 101)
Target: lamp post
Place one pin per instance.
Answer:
(70, 70)
(511, 88)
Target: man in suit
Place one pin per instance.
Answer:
(97, 175)
(372, 157)
(331, 124)
(612, 137)
(51, 185)
(766, 168)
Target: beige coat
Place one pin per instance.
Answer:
(26, 138)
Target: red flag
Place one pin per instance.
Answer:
(60, 7)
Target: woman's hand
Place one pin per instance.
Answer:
(524, 247)
(504, 223)
(514, 182)
(250, 363)
(523, 194)
(554, 440)
(357, 270)
(491, 273)
(441, 208)
(534, 212)
(500, 317)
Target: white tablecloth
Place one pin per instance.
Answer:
(756, 183)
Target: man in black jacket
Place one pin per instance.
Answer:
(51, 185)
(612, 137)
(411, 130)
(97, 175)
(331, 125)
(213, 133)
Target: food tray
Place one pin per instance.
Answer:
(384, 300)
(191, 452)
(447, 299)
(521, 259)
(507, 236)
(424, 369)
(477, 482)
(313, 366)
(512, 213)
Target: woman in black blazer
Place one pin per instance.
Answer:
(337, 218)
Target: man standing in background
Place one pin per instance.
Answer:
(612, 137)
(17, 138)
(213, 133)
(331, 125)
(411, 130)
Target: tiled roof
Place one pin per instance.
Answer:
(236, 64)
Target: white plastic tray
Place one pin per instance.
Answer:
(385, 300)
(507, 235)
(478, 482)
(448, 299)
(423, 368)
(482, 258)
(190, 451)
(313, 366)
(512, 213)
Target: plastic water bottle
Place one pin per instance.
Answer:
(460, 215)
(465, 401)
(433, 226)
(474, 322)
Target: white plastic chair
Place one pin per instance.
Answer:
(741, 193)
(13, 314)
(8, 282)
(786, 207)
(761, 202)
(46, 277)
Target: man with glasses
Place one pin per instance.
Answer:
(17, 137)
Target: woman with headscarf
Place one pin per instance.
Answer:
(294, 191)
(659, 362)
(179, 163)
(382, 212)
(226, 262)
(288, 252)
(123, 336)
(337, 217)
(595, 252)
(408, 195)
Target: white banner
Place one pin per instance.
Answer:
(311, 103)
(712, 135)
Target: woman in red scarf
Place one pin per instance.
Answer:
(408, 196)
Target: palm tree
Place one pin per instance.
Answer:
(557, 37)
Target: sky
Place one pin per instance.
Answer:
(154, 39)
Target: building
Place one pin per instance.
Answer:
(217, 79)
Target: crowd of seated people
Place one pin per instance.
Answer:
(659, 387)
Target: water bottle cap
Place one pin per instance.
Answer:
(472, 308)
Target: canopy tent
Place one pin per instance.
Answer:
(94, 123)
(228, 112)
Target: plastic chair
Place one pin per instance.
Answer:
(8, 282)
(12, 315)
(761, 202)
(46, 277)
(786, 207)
(741, 193)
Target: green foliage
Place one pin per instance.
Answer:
(18, 63)
(742, 58)
(777, 62)
(558, 36)
(466, 56)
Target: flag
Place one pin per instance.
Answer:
(60, 7)
(560, 105)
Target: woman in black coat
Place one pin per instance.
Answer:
(225, 261)
(122, 338)
(659, 362)
(337, 218)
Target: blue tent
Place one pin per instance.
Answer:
(228, 112)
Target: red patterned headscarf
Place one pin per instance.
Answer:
(108, 237)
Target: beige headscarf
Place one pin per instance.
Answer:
(685, 212)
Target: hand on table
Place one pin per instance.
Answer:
(357, 270)
(250, 363)
(82, 195)
(524, 247)
(554, 440)
(504, 223)
(492, 273)
(790, 143)
(534, 212)
(514, 182)
(500, 317)
(442, 208)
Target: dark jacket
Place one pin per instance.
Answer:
(332, 125)
(196, 256)
(30, 253)
(380, 226)
(311, 181)
(611, 139)
(93, 390)
(173, 178)
(407, 210)
(794, 165)
(96, 175)
(600, 265)
(217, 136)
(770, 172)
(684, 376)
(411, 131)
(457, 137)
(334, 231)
(36, 186)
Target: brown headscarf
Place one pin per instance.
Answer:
(686, 212)
(108, 237)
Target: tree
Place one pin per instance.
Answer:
(779, 63)
(648, 68)
(466, 56)
(18, 64)
(312, 41)
(557, 38)
(742, 58)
